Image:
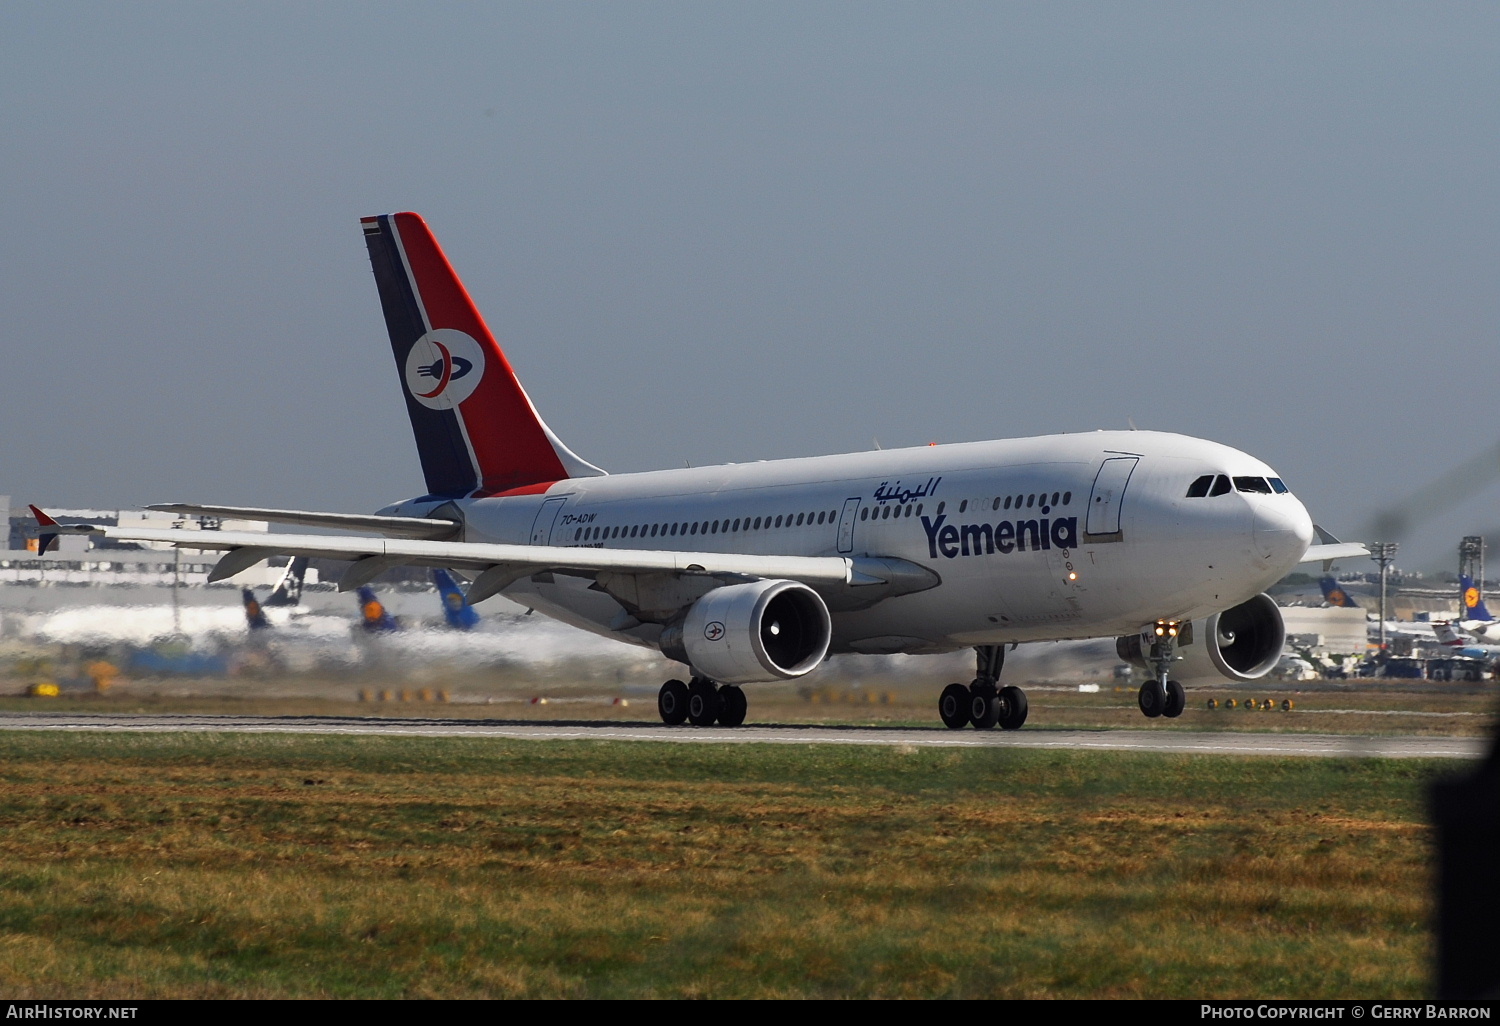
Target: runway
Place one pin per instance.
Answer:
(1166, 740)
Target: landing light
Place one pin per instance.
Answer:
(1072, 576)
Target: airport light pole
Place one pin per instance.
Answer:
(1383, 553)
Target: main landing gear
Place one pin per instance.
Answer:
(701, 702)
(984, 703)
(1160, 696)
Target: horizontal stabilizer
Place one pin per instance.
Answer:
(391, 527)
(1327, 553)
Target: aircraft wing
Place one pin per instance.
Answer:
(502, 565)
(393, 527)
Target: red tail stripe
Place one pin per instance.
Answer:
(509, 443)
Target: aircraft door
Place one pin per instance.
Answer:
(541, 528)
(1102, 524)
(846, 524)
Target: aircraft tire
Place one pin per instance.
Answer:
(1151, 699)
(984, 706)
(953, 707)
(1176, 700)
(732, 707)
(1013, 708)
(672, 702)
(703, 703)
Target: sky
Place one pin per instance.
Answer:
(710, 232)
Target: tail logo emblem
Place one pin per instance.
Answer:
(443, 368)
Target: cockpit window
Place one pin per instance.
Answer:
(1252, 484)
(1278, 487)
(1221, 486)
(1199, 488)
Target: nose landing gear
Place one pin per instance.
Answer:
(1161, 696)
(984, 703)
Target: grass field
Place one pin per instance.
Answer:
(242, 865)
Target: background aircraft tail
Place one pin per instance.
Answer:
(1446, 635)
(373, 616)
(477, 432)
(1473, 602)
(460, 615)
(288, 590)
(1335, 595)
(254, 615)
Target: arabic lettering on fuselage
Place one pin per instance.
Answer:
(888, 492)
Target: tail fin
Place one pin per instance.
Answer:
(477, 432)
(1335, 595)
(373, 616)
(460, 615)
(1446, 635)
(1473, 601)
(288, 590)
(254, 615)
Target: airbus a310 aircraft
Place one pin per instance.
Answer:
(755, 572)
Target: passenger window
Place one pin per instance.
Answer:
(919, 509)
(1007, 502)
(799, 519)
(577, 532)
(908, 511)
(1054, 498)
(1278, 486)
(963, 506)
(941, 505)
(1067, 498)
(1221, 486)
(997, 503)
(1199, 488)
(1252, 484)
(778, 521)
(1030, 501)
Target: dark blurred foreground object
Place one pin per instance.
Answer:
(1466, 815)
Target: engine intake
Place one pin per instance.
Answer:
(1242, 643)
(760, 631)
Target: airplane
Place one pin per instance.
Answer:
(288, 592)
(753, 573)
(457, 612)
(1449, 637)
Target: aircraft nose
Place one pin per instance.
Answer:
(1282, 528)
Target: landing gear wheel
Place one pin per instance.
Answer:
(1013, 709)
(953, 706)
(984, 705)
(672, 702)
(732, 707)
(703, 702)
(1152, 699)
(1176, 700)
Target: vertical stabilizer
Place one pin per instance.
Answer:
(477, 432)
(456, 609)
(1473, 601)
(1335, 595)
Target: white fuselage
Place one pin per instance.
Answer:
(1059, 536)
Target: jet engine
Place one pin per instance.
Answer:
(1242, 643)
(759, 631)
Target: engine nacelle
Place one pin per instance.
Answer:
(760, 631)
(1242, 643)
